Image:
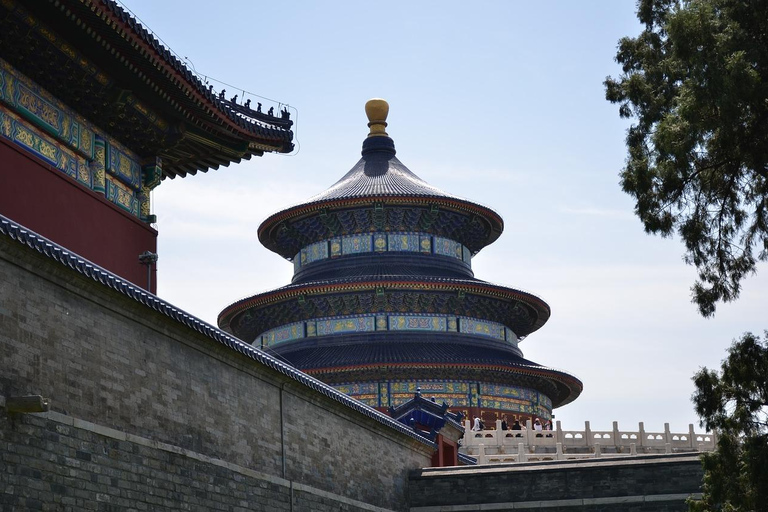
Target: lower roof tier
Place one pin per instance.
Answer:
(415, 357)
(248, 318)
(468, 397)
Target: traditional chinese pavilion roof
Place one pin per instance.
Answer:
(380, 180)
(421, 413)
(357, 359)
(102, 62)
(352, 267)
(381, 174)
(521, 311)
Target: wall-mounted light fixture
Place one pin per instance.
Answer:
(26, 404)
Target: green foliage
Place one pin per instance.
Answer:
(734, 402)
(696, 82)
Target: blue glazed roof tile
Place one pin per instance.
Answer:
(379, 176)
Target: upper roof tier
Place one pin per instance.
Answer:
(385, 196)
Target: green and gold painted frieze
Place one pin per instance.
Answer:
(417, 323)
(40, 144)
(43, 110)
(457, 394)
(123, 165)
(290, 332)
(380, 242)
(35, 120)
(482, 328)
(333, 326)
(122, 196)
(382, 323)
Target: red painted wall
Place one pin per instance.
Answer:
(447, 453)
(45, 200)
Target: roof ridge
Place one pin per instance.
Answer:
(171, 59)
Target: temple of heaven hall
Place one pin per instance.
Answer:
(384, 301)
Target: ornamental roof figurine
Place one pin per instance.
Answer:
(384, 300)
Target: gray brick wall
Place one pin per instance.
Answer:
(111, 362)
(644, 483)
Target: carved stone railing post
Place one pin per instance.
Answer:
(588, 434)
(521, 455)
(641, 434)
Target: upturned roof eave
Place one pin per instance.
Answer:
(542, 309)
(149, 49)
(300, 211)
(571, 382)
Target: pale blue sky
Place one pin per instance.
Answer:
(499, 102)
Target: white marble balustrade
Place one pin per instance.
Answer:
(502, 446)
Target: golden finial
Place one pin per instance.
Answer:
(377, 110)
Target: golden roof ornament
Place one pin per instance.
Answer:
(377, 111)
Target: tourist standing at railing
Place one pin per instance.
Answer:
(477, 425)
(504, 423)
(537, 426)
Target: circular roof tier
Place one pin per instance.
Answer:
(522, 312)
(380, 194)
(342, 362)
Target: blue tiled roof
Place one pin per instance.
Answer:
(380, 177)
(379, 173)
(59, 254)
(414, 350)
(409, 349)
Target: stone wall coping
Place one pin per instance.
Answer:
(47, 248)
(576, 503)
(555, 465)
